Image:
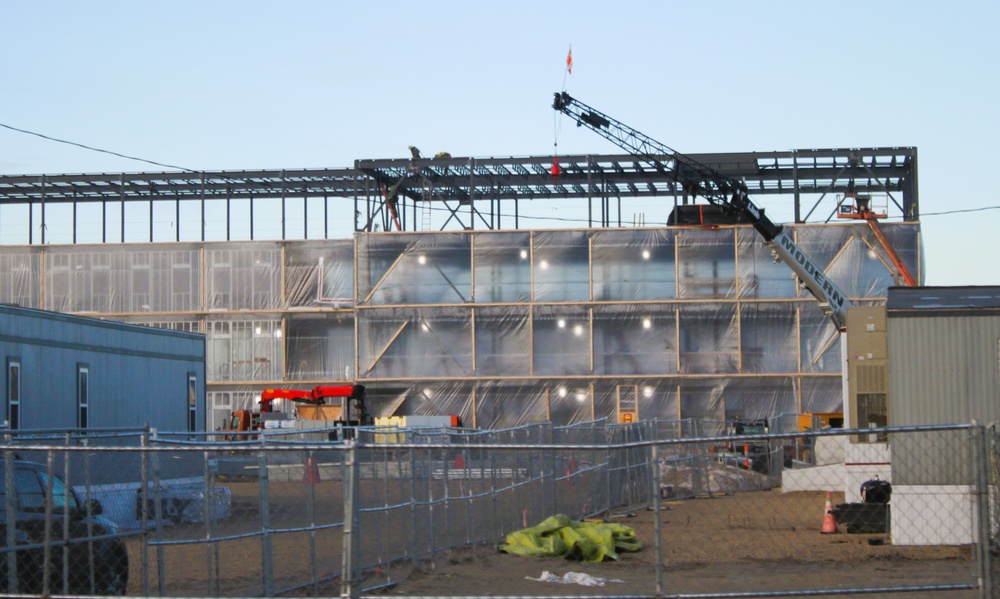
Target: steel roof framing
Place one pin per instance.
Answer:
(476, 182)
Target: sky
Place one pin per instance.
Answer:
(309, 84)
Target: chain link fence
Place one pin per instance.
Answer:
(293, 513)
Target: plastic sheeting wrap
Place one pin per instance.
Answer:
(706, 264)
(503, 267)
(243, 278)
(560, 266)
(760, 275)
(634, 265)
(408, 268)
(319, 347)
(503, 328)
(412, 342)
(635, 339)
(20, 269)
(319, 274)
(122, 278)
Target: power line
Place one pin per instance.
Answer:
(182, 168)
(960, 211)
(93, 149)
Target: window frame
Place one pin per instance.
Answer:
(82, 395)
(13, 396)
(192, 392)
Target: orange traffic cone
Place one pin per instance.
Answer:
(312, 471)
(829, 521)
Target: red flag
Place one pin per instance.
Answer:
(569, 61)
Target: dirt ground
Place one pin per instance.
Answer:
(753, 541)
(720, 544)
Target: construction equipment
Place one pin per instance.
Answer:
(728, 194)
(310, 405)
(242, 421)
(752, 454)
(859, 206)
(351, 410)
(811, 421)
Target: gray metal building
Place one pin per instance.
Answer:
(944, 348)
(944, 367)
(74, 372)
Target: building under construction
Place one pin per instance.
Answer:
(444, 302)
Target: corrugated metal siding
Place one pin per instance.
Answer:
(942, 370)
(137, 375)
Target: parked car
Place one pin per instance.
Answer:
(97, 557)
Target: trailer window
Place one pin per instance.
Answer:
(13, 394)
(83, 395)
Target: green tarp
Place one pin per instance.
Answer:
(560, 536)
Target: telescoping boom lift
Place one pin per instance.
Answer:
(731, 194)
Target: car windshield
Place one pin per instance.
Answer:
(30, 486)
(60, 495)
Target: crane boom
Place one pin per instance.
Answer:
(731, 194)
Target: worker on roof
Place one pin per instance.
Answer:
(443, 156)
(414, 153)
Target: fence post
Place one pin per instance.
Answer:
(981, 443)
(352, 545)
(654, 456)
(266, 558)
(158, 519)
(144, 509)
(47, 551)
(311, 516)
(413, 506)
(209, 509)
(10, 499)
(65, 517)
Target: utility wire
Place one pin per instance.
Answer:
(182, 168)
(984, 208)
(86, 147)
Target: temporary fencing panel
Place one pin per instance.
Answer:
(298, 513)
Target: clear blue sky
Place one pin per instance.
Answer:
(245, 85)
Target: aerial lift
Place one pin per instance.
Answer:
(859, 207)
